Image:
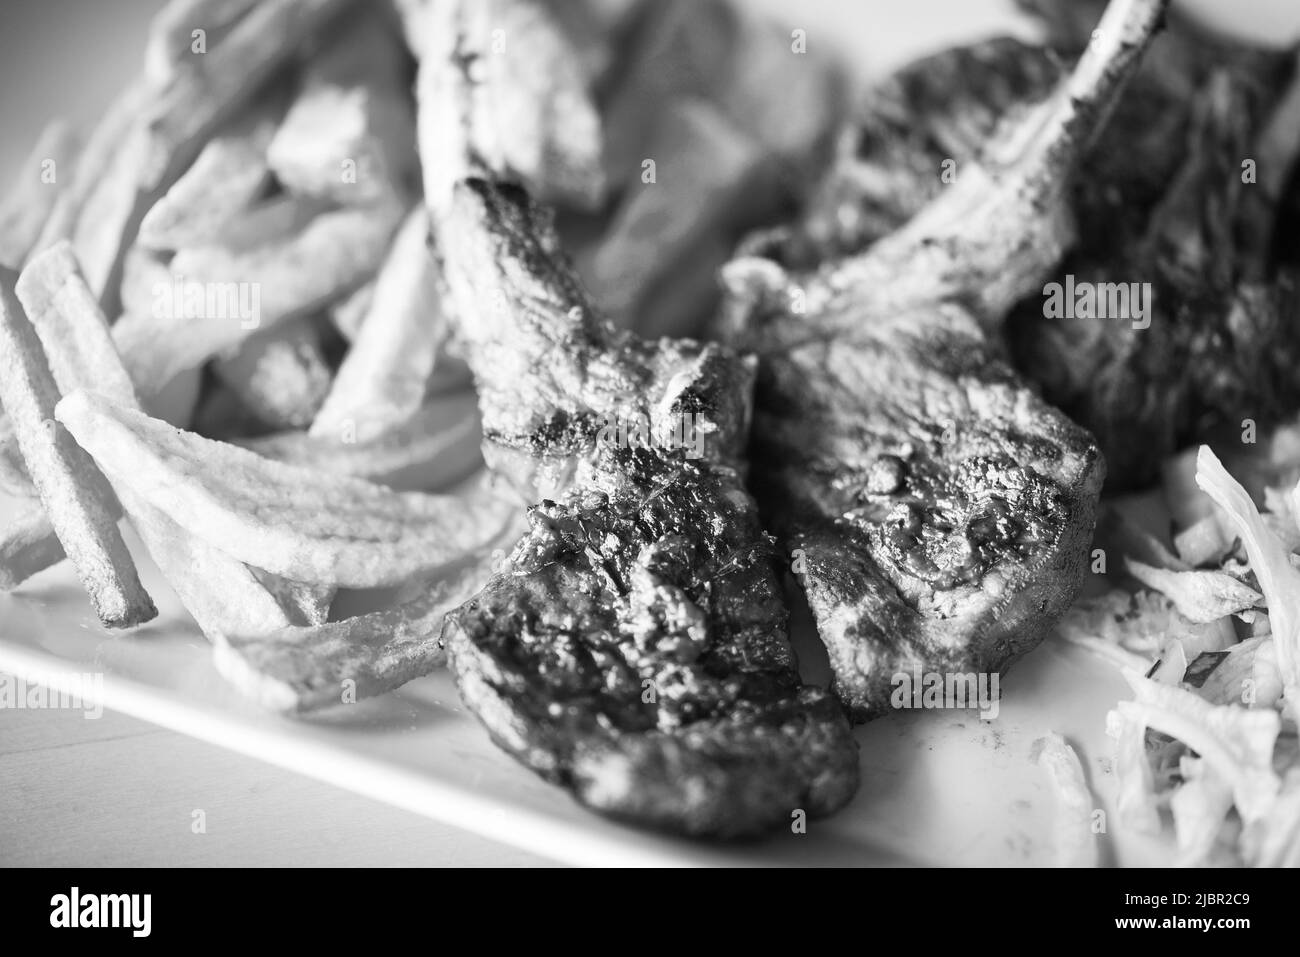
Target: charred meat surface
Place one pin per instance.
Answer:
(889, 162)
(1181, 216)
(935, 510)
(635, 653)
(1161, 197)
(634, 649)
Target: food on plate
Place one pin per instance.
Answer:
(281, 375)
(433, 449)
(1179, 197)
(634, 648)
(291, 521)
(1076, 838)
(228, 175)
(350, 134)
(297, 668)
(528, 115)
(384, 377)
(935, 511)
(78, 502)
(333, 254)
(189, 101)
(1210, 735)
(300, 313)
(27, 207)
(213, 587)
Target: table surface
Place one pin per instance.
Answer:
(117, 791)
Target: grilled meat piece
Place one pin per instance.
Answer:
(935, 510)
(634, 650)
(1166, 200)
(1160, 198)
(889, 162)
(1218, 344)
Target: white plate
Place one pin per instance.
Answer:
(938, 787)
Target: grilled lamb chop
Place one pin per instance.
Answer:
(936, 511)
(1167, 202)
(1159, 199)
(633, 650)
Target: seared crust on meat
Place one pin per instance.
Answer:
(935, 510)
(635, 652)
(634, 648)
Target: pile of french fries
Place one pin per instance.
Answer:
(221, 321)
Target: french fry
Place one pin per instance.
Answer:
(281, 375)
(304, 602)
(680, 302)
(229, 173)
(110, 217)
(78, 502)
(203, 90)
(383, 379)
(437, 447)
(71, 327)
(707, 184)
(334, 254)
(529, 116)
(349, 312)
(64, 312)
(597, 29)
(683, 50)
(290, 521)
(171, 41)
(304, 669)
(222, 594)
(29, 204)
(350, 134)
(13, 470)
(97, 154)
(273, 221)
(27, 546)
(450, 373)
(145, 279)
(222, 416)
(78, 342)
(720, 51)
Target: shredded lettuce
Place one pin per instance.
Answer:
(1136, 802)
(1233, 681)
(1172, 663)
(1270, 562)
(1200, 596)
(1280, 517)
(1274, 840)
(1199, 806)
(1133, 631)
(1236, 742)
(1202, 543)
(1075, 843)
